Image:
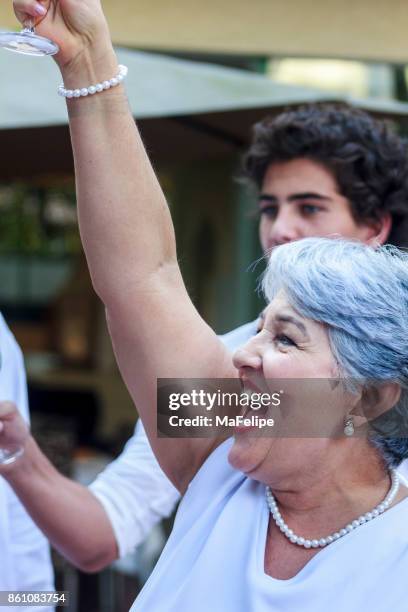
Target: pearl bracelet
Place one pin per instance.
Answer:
(93, 89)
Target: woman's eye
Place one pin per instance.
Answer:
(285, 340)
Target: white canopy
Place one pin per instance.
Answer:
(157, 86)
(183, 107)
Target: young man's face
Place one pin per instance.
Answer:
(301, 198)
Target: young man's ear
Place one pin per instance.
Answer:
(381, 229)
(376, 401)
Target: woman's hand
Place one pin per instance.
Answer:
(14, 431)
(78, 27)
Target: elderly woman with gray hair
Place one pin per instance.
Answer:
(266, 523)
(271, 523)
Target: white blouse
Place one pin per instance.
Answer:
(214, 558)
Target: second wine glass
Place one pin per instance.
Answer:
(7, 457)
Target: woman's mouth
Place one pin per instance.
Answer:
(246, 421)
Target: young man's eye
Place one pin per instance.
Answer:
(269, 211)
(310, 209)
(284, 340)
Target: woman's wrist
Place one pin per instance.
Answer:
(93, 64)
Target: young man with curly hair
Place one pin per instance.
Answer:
(356, 167)
(327, 170)
(319, 171)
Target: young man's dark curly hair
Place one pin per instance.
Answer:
(367, 158)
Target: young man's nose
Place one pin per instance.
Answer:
(285, 227)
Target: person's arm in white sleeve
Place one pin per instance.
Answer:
(90, 527)
(135, 492)
(93, 527)
(66, 512)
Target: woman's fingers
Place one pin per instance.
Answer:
(30, 9)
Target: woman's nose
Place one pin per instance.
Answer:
(248, 356)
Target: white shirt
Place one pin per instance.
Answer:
(25, 563)
(133, 489)
(214, 558)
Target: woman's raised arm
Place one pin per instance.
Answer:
(127, 232)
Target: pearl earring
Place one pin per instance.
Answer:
(349, 427)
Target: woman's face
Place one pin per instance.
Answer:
(288, 347)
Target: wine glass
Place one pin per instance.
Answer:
(28, 42)
(9, 455)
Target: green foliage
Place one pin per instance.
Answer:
(38, 221)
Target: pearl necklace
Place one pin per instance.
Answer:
(364, 518)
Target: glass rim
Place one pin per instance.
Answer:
(27, 42)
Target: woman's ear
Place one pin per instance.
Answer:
(377, 400)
